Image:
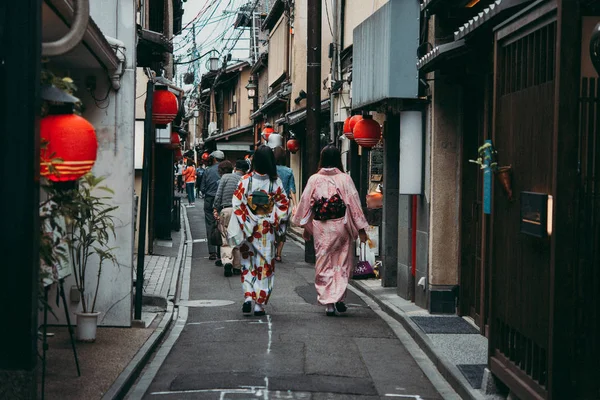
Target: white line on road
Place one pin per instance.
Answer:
(218, 322)
(270, 338)
(404, 396)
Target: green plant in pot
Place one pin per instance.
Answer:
(488, 160)
(89, 229)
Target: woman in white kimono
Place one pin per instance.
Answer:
(261, 209)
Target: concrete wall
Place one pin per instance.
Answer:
(355, 12)
(298, 50)
(445, 184)
(114, 123)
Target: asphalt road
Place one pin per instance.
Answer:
(294, 352)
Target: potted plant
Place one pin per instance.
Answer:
(89, 228)
(488, 160)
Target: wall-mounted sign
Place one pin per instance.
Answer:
(534, 214)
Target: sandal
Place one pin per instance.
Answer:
(278, 258)
(340, 306)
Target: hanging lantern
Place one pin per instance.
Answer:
(175, 142)
(349, 125)
(164, 106)
(293, 145)
(367, 132)
(267, 132)
(72, 139)
(275, 140)
(205, 157)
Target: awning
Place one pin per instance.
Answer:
(294, 117)
(157, 39)
(94, 51)
(280, 95)
(230, 132)
(489, 14)
(444, 52)
(274, 14)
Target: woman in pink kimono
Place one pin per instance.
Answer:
(261, 209)
(331, 212)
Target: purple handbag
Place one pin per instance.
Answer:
(363, 269)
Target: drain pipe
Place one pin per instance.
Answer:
(119, 48)
(81, 16)
(413, 234)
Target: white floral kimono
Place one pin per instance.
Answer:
(258, 230)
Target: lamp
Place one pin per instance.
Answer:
(213, 63)
(251, 88)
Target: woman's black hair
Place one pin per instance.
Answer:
(279, 154)
(263, 162)
(331, 158)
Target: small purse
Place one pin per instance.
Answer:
(364, 269)
(215, 238)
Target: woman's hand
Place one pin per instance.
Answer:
(216, 214)
(306, 235)
(363, 236)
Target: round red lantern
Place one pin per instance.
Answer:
(267, 132)
(205, 157)
(349, 125)
(164, 107)
(293, 145)
(72, 139)
(367, 132)
(175, 141)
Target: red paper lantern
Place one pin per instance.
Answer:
(267, 132)
(72, 139)
(205, 157)
(164, 107)
(367, 132)
(349, 125)
(293, 145)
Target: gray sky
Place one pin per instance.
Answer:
(214, 30)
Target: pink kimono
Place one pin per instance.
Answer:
(335, 238)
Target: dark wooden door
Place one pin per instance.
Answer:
(471, 267)
(523, 136)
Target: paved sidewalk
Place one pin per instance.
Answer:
(111, 364)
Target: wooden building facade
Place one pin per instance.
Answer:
(529, 269)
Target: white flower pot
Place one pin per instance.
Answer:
(86, 326)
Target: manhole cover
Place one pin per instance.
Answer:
(206, 303)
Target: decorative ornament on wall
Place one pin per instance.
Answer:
(367, 132)
(349, 125)
(72, 141)
(164, 106)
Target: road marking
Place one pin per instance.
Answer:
(404, 396)
(197, 241)
(206, 303)
(270, 340)
(218, 322)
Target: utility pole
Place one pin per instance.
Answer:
(313, 99)
(334, 70)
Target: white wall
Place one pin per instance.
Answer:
(114, 123)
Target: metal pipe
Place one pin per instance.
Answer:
(81, 16)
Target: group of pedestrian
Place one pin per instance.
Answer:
(252, 205)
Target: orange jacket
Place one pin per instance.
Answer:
(189, 174)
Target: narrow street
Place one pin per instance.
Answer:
(294, 352)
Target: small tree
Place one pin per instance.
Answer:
(90, 226)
